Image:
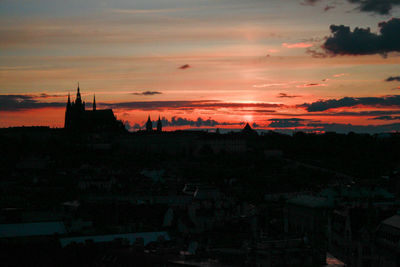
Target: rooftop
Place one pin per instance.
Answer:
(311, 201)
(31, 229)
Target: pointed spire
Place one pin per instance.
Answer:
(78, 92)
(248, 130)
(94, 102)
(159, 124)
(69, 100)
(78, 100)
(149, 125)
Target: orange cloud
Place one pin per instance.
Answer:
(311, 85)
(340, 75)
(297, 45)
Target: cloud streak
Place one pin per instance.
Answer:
(24, 102)
(323, 105)
(186, 66)
(311, 85)
(382, 7)
(284, 95)
(393, 78)
(187, 105)
(147, 93)
(297, 45)
(386, 118)
(293, 124)
(287, 123)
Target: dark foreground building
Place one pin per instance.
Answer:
(77, 118)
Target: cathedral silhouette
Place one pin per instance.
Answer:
(78, 118)
(149, 125)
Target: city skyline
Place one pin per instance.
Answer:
(278, 66)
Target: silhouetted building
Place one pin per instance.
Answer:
(247, 130)
(77, 118)
(149, 125)
(159, 125)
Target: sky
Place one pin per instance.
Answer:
(312, 65)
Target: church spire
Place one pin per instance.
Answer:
(149, 125)
(78, 93)
(94, 102)
(78, 100)
(69, 101)
(159, 124)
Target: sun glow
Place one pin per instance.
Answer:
(248, 118)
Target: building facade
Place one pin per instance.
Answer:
(78, 118)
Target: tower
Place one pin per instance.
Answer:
(159, 125)
(79, 120)
(149, 125)
(79, 105)
(68, 113)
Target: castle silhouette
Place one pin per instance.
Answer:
(77, 118)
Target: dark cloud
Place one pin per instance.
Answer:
(186, 66)
(333, 113)
(311, 85)
(179, 121)
(286, 123)
(393, 78)
(284, 95)
(293, 124)
(136, 126)
(382, 7)
(386, 118)
(23, 102)
(147, 93)
(346, 128)
(45, 95)
(127, 125)
(362, 41)
(322, 105)
(186, 105)
(364, 113)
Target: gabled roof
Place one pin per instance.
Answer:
(393, 221)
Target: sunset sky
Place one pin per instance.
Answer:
(276, 64)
